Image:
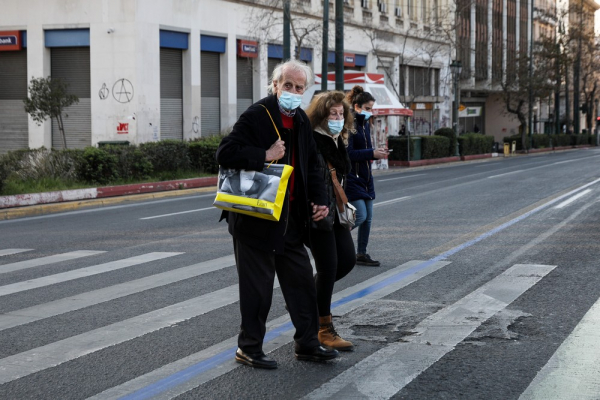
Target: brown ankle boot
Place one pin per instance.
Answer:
(329, 337)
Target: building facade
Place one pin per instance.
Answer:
(186, 69)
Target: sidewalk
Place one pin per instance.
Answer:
(34, 204)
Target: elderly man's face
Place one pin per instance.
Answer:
(292, 81)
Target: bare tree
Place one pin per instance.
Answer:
(265, 20)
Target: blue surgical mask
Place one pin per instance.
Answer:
(335, 126)
(366, 114)
(289, 101)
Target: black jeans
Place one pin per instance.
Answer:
(256, 271)
(335, 257)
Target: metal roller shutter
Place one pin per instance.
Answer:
(14, 130)
(244, 84)
(171, 94)
(271, 64)
(72, 65)
(210, 75)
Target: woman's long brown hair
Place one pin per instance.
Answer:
(320, 106)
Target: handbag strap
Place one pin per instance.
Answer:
(340, 195)
(274, 126)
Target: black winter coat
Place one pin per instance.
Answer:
(338, 157)
(360, 180)
(245, 148)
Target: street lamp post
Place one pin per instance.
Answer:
(456, 69)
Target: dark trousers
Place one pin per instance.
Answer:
(256, 271)
(335, 257)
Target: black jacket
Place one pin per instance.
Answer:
(360, 180)
(245, 148)
(338, 157)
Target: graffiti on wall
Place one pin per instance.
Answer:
(103, 92)
(123, 91)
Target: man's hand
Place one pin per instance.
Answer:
(276, 151)
(319, 212)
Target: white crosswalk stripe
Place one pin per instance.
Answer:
(380, 375)
(77, 302)
(8, 252)
(37, 262)
(82, 272)
(572, 372)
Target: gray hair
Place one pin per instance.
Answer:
(293, 65)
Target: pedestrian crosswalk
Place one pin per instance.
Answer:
(380, 374)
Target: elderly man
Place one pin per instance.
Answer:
(263, 248)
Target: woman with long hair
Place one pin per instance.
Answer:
(330, 243)
(359, 188)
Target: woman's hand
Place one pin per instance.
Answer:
(380, 153)
(319, 212)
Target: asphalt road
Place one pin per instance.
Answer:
(488, 289)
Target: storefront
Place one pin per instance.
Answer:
(172, 45)
(212, 48)
(70, 62)
(247, 53)
(424, 120)
(471, 118)
(13, 83)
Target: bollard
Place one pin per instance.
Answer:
(514, 147)
(506, 149)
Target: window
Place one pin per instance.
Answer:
(420, 81)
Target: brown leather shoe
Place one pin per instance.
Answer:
(330, 338)
(257, 360)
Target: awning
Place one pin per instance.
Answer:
(386, 103)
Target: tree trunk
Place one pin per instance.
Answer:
(61, 128)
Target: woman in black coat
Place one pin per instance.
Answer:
(330, 243)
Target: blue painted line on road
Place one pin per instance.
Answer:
(226, 355)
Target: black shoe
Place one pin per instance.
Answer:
(365, 259)
(317, 353)
(257, 360)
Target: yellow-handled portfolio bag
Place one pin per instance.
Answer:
(257, 193)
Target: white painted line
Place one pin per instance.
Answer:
(507, 173)
(562, 162)
(383, 203)
(80, 301)
(193, 359)
(8, 252)
(37, 262)
(179, 213)
(572, 372)
(572, 199)
(81, 273)
(400, 177)
(387, 371)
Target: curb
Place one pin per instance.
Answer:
(36, 204)
(30, 199)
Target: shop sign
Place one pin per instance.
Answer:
(470, 112)
(349, 60)
(10, 41)
(247, 48)
(421, 106)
